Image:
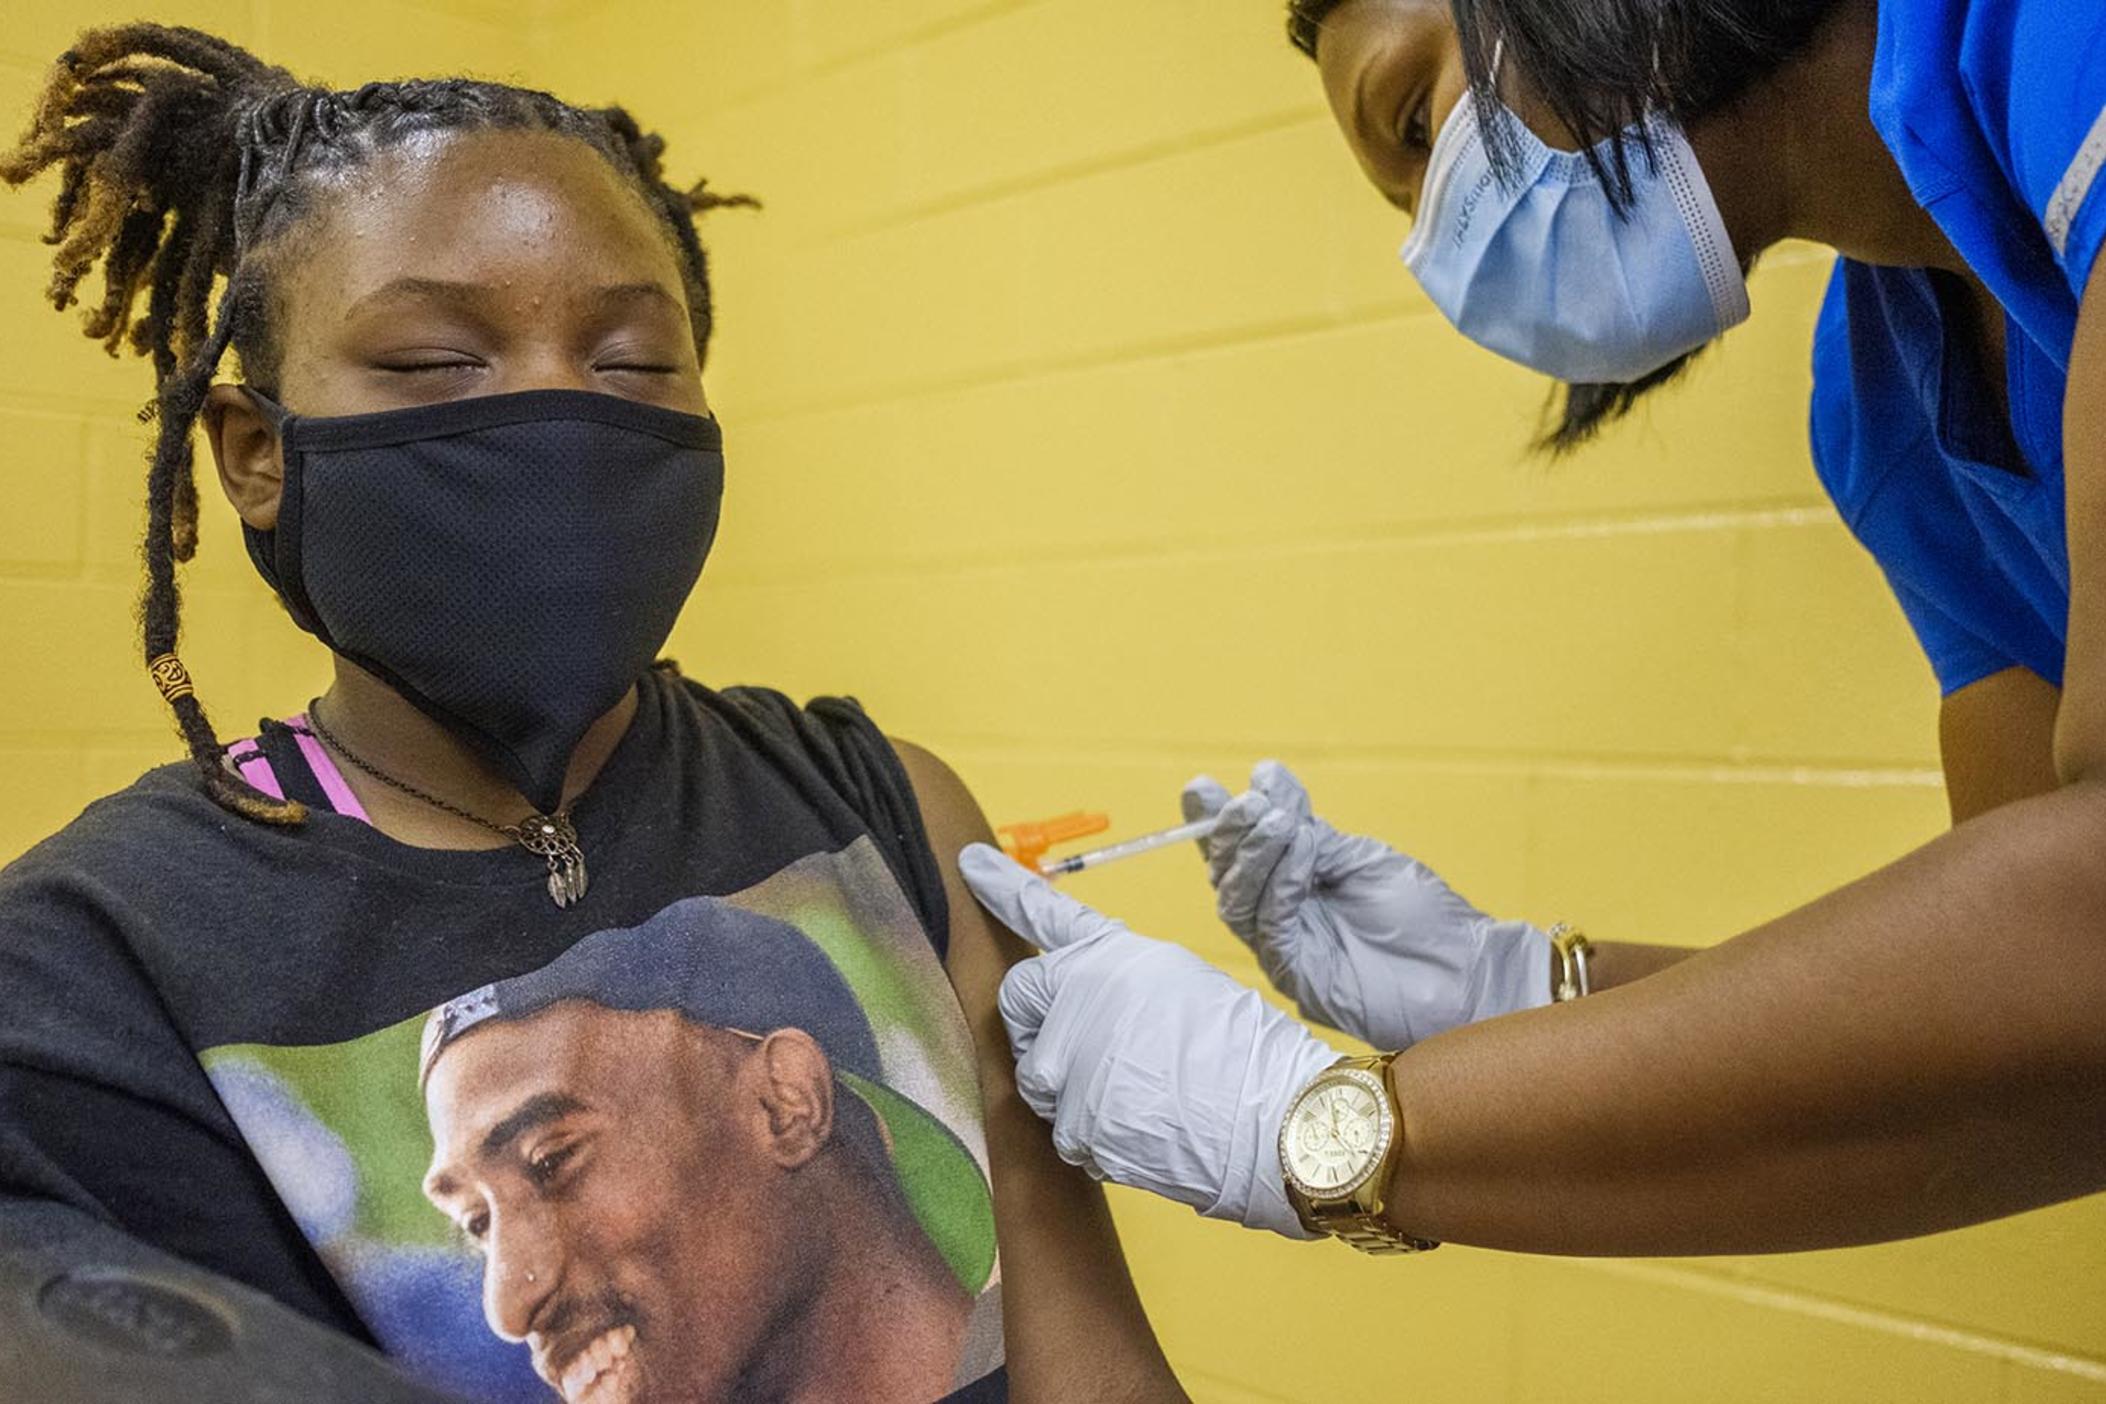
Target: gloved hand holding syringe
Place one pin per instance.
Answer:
(1361, 937)
(1159, 1071)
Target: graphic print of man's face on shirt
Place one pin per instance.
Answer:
(623, 1174)
(668, 1209)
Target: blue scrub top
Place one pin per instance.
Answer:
(1996, 112)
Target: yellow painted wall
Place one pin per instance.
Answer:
(1083, 424)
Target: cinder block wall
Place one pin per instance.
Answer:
(1082, 423)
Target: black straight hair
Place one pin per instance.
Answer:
(1601, 67)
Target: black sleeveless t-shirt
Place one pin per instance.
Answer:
(602, 1153)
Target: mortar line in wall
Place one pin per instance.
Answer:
(1124, 159)
(60, 404)
(45, 572)
(1436, 534)
(840, 62)
(1242, 1389)
(1464, 761)
(910, 38)
(499, 13)
(1846, 1313)
(93, 738)
(999, 372)
(553, 12)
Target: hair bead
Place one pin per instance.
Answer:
(171, 677)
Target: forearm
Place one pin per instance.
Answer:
(1620, 962)
(1917, 1051)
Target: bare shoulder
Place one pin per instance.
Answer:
(981, 948)
(948, 809)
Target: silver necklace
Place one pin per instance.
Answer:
(550, 837)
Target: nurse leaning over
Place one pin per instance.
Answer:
(1926, 1047)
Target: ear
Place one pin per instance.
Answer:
(797, 1093)
(245, 448)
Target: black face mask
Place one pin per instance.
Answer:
(508, 563)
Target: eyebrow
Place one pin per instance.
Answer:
(538, 1110)
(462, 294)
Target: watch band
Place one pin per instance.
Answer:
(1358, 1219)
(1380, 1237)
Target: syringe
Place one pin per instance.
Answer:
(1146, 843)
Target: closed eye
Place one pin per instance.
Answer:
(415, 367)
(1417, 133)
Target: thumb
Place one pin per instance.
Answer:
(1026, 997)
(1025, 902)
(1203, 797)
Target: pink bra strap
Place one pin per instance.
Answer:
(325, 771)
(255, 767)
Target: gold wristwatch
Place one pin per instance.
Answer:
(1337, 1146)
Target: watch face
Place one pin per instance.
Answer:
(1336, 1134)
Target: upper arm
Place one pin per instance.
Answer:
(1073, 1323)
(1996, 737)
(981, 950)
(2080, 728)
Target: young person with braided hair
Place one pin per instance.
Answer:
(471, 453)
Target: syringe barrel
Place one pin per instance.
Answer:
(1145, 843)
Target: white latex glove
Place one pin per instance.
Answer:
(1157, 1070)
(1360, 936)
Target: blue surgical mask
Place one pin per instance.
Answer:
(1541, 269)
